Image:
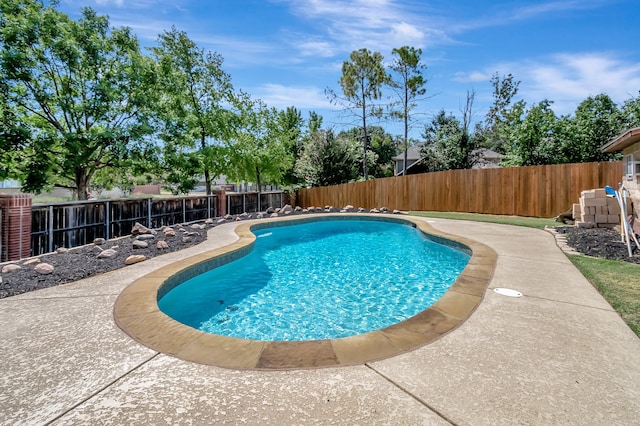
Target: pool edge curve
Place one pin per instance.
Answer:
(136, 312)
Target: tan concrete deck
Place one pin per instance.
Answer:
(558, 355)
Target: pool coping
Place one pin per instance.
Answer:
(136, 311)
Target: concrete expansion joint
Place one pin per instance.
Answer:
(564, 302)
(411, 395)
(100, 390)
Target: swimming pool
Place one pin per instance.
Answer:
(319, 280)
(136, 309)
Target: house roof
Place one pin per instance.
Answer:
(413, 153)
(622, 141)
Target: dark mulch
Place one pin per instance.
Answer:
(82, 262)
(600, 242)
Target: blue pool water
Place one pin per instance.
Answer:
(319, 280)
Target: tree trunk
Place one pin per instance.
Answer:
(258, 184)
(207, 180)
(364, 141)
(82, 183)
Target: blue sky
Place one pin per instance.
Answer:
(287, 52)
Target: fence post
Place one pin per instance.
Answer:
(149, 212)
(50, 228)
(107, 219)
(184, 210)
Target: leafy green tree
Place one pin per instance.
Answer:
(362, 79)
(597, 120)
(258, 149)
(631, 112)
(450, 145)
(533, 140)
(408, 86)
(383, 149)
(326, 160)
(290, 123)
(494, 132)
(194, 121)
(76, 93)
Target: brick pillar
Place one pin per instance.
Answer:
(221, 201)
(15, 228)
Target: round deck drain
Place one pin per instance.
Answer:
(507, 292)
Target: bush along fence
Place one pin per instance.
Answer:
(536, 191)
(31, 230)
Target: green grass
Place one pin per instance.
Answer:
(529, 222)
(617, 281)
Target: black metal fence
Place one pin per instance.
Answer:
(248, 202)
(76, 223)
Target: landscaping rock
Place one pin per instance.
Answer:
(10, 268)
(137, 244)
(169, 232)
(208, 221)
(270, 210)
(228, 217)
(145, 237)
(348, 207)
(139, 229)
(221, 221)
(162, 245)
(286, 208)
(31, 261)
(62, 250)
(107, 254)
(99, 241)
(374, 211)
(198, 226)
(274, 215)
(43, 268)
(298, 209)
(135, 258)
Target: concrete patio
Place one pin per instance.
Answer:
(558, 355)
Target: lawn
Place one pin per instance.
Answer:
(617, 281)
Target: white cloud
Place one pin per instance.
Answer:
(568, 78)
(303, 97)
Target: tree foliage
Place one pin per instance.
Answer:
(408, 86)
(194, 123)
(327, 160)
(362, 79)
(259, 141)
(76, 94)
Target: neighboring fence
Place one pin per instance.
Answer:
(80, 222)
(537, 191)
(248, 202)
(76, 223)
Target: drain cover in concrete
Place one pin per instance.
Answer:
(507, 292)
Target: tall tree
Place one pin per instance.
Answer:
(504, 90)
(596, 121)
(408, 86)
(289, 124)
(77, 90)
(194, 90)
(259, 143)
(362, 79)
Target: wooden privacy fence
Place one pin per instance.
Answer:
(536, 191)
